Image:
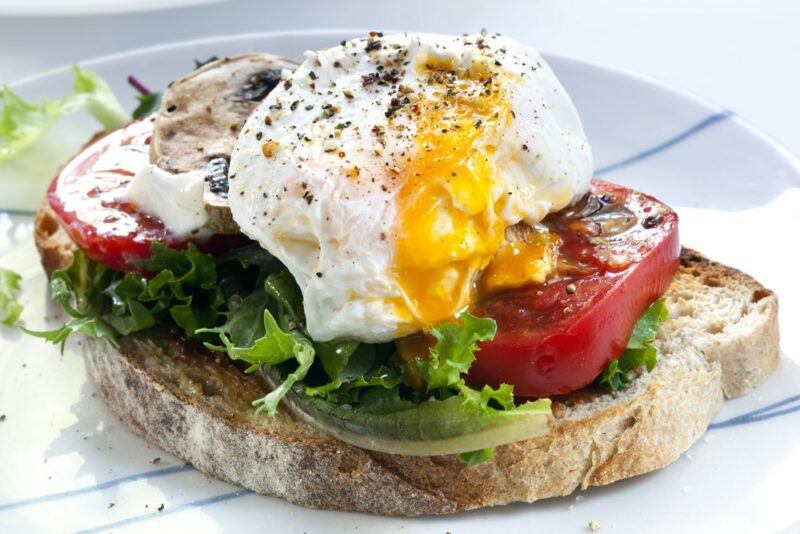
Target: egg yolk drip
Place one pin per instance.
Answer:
(530, 260)
(448, 227)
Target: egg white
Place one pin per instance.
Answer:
(313, 172)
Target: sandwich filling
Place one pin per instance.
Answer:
(424, 258)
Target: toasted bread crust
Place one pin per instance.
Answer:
(52, 241)
(197, 406)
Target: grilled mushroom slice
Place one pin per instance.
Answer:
(200, 117)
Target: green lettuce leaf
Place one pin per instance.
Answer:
(386, 419)
(10, 308)
(103, 303)
(283, 289)
(476, 457)
(350, 366)
(487, 398)
(22, 123)
(639, 351)
(92, 94)
(148, 104)
(265, 343)
(79, 291)
(451, 358)
(454, 351)
(90, 326)
(185, 288)
(244, 303)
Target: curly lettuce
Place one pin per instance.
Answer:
(148, 103)
(188, 288)
(454, 351)
(78, 290)
(10, 308)
(639, 351)
(22, 123)
(263, 343)
(246, 304)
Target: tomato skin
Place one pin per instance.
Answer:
(87, 196)
(558, 337)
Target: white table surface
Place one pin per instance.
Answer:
(738, 53)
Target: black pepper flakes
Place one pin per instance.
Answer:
(391, 76)
(652, 221)
(369, 79)
(396, 104)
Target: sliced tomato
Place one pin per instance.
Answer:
(619, 253)
(88, 196)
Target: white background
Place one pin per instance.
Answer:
(742, 54)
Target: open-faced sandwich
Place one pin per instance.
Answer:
(384, 280)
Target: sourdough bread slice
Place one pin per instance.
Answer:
(721, 340)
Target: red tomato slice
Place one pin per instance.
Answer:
(88, 198)
(619, 254)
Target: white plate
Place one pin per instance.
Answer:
(65, 458)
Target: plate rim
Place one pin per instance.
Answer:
(712, 107)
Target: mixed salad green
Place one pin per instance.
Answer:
(22, 123)
(10, 308)
(246, 304)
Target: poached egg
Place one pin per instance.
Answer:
(384, 173)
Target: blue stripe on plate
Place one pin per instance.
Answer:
(754, 416)
(20, 213)
(700, 126)
(103, 485)
(761, 414)
(166, 511)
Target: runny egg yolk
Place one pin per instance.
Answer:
(448, 228)
(518, 263)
